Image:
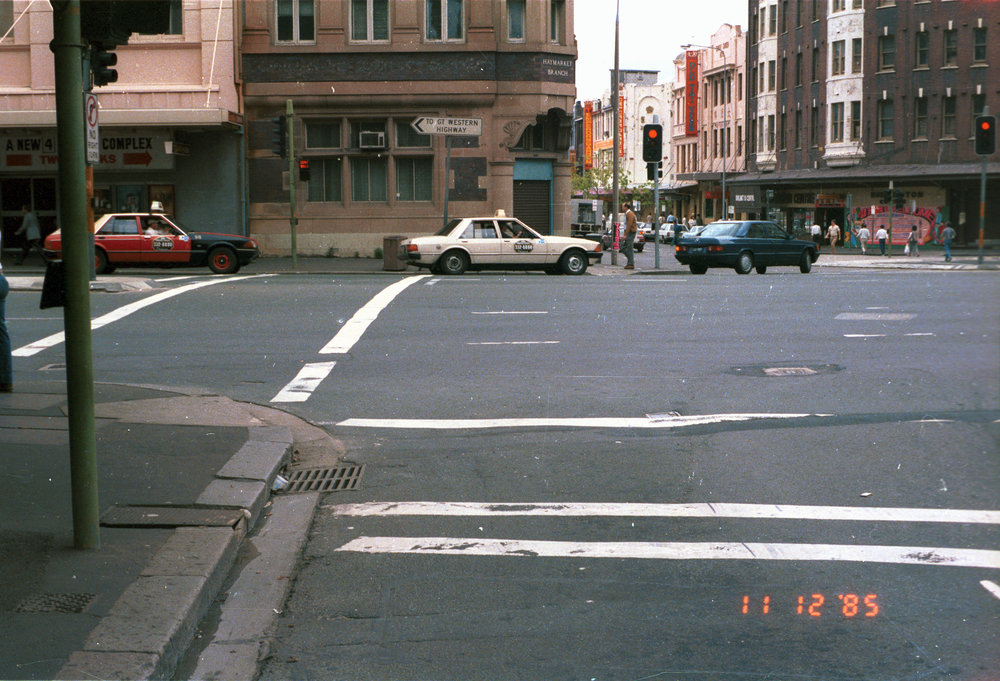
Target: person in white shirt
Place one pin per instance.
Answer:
(817, 235)
(882, 237)
(864, 234)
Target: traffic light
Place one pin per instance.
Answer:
(652, 142)
(654, 171)
(101, 61)
(279, 136)
(986, 135)
(886, 196)
(897, 198)
(304, 170)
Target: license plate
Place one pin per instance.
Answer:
(698, 249)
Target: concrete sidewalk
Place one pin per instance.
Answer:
(182, 481)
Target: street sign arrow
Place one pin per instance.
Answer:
(439, 125)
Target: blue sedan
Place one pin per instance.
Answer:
(744, 245)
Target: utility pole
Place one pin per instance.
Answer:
(68, 49)
(293, 220)
(615, 98)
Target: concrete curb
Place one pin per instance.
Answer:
(152, 624)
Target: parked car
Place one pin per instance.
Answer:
(607, 240)
(498, 242)
(666, 232)
(156, 239)
(744, 245)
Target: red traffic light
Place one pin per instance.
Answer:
(652, 133)
(986, 125)
(304, 164)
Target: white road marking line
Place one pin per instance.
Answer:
(355, 327)
(302, 386)
(516, 343)
(475, 546)
(585, 422)
(876, 316)
(864, 335)
(991, 587)
(124, 311)
(690, 510)
(918, 334)
(515, 312)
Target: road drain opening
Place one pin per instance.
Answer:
(48, 602)
(338, 479)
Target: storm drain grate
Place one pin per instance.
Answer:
(337, 479)
(789, 371)
(62, 603)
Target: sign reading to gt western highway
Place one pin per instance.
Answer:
(433, 125)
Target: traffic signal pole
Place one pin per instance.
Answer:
(68, 49)
(293, 220)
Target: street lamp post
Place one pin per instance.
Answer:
(725, 121)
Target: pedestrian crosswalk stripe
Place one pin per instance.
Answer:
(689, 510)
(568, 422)
(474, 546)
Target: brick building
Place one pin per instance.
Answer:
(359, 73)
(846, 96)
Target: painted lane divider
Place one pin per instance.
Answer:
(568, 422)
(302, 386)
(355, 327)
(125, 311)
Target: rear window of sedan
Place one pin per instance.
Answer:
(722, 229)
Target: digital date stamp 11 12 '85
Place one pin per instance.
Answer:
(814, 605)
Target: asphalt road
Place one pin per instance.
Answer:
(666, 477)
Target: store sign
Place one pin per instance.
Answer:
(621, 122)
(588, 135)
(691, 94)
(139, 150)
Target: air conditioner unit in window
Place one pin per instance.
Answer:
(371, 140)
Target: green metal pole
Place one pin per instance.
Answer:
(293, 221)
(68, 49)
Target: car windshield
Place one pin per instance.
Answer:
(721, 229)
(446, 230)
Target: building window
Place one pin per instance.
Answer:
(175, 25)
(296, 21)
(325, 180)
(783, 74)
(368, 178)
(855, 121)
(951, 48)
(948, 117)
(837, 122)
(771, 75)
(406, 136)
(413, 179)
(772, 20)
(886, 52)
(6, 16)
(445, 19)
(979, 45)
(770, 132)
(323, 135)
(784, 16)
(920, 118)
(856, 55)
(839, 5)
(798, 69)
(798, 129)
(922, 45)
(782, 124)
(885, 119)
(798, 13)
(815, 65)
(838, 58)
(814, 136)
(370, 20)
(557, 21)
(515, 20)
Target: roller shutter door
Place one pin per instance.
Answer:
(531, 204)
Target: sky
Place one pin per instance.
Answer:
(651, 33)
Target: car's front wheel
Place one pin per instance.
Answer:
(744, 263)
(453, 262)
(101, 262)
(805, 262)
(222, 260)
(573, 262)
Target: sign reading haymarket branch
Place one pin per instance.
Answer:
(430, 125)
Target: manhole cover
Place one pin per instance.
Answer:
(64, 603)
(789, 371)
(336, 479)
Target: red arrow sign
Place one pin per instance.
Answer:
(135, 159)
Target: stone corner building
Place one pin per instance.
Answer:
(359, 72)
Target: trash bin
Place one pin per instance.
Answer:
(391, 261)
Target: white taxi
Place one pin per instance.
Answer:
(497, 242)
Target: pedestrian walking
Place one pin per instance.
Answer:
(32, 233)
(882, 237)
(947, 236)
(6, 360)
(913, 243)
(833, 235)
(864, 234)
(817, 235)
(631, 226)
